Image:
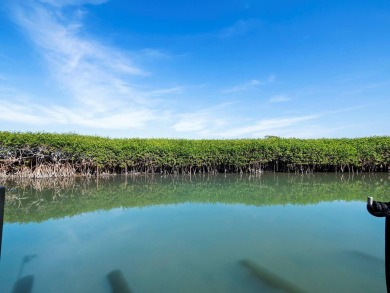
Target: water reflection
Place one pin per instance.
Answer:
(43, 199)
(189, 234)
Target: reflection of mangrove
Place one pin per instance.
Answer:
(270, 279)
(24, 284)
(40, 155)
(39, 200)
(118, 282)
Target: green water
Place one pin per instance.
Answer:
(191, 234)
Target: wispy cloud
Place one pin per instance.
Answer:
(301, 130)
(203, 122)
(254, 83)
(222, 121)
(95, 78)
(154, 53)
(239, 28)
(21, 109)
(61, 3)
(160, 92)
(192, 122)
(270, 125)
(360, 88)
(3, 77)
(279, 99)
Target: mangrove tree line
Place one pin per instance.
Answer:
(39, 155)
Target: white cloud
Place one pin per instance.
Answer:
(271, 78)
(239, 28)
(279, 99)
(61, 3)
(2, 77)
(243, 87)
(203, 122)
(298, 131)
(266, 125)
(155, 93)
(190, 123)
(249, 85)
(154, 53)
(95, 78)
(20, 113)
(221, 122)
(22, 110)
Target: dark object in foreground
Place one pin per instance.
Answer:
(269, 278)
(2, 202)
(378, 208)
(118, 282)
(382, 209)
(23, 285)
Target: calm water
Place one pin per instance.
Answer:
(196, 234)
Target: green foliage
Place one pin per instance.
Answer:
(25, 154)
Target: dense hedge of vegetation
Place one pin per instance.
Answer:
(39, 155)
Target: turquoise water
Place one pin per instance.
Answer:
(182, 234)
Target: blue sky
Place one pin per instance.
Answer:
(196, 69)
